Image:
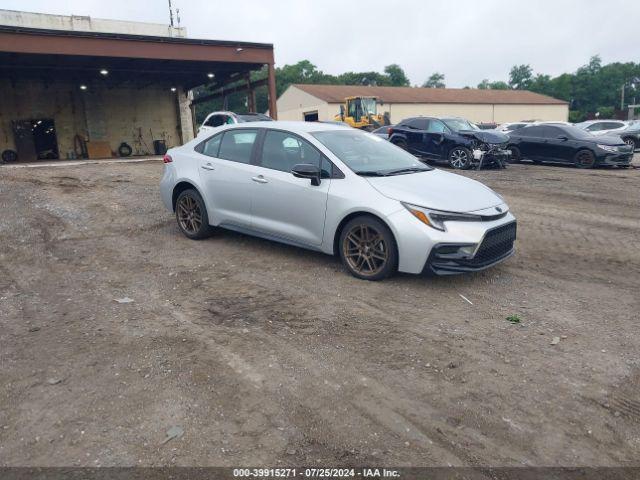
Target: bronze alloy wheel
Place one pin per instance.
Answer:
(189, 214)
(365, 250)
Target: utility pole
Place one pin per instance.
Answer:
(171, 15)
(621, 95)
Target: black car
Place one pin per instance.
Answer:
(453, 140)
(568, 144)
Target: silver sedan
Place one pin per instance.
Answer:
(340, 191)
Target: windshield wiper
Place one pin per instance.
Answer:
(371, 173)
(408, 170)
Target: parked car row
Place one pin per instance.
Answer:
(463, 145)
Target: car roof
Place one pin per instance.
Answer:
(295, 127)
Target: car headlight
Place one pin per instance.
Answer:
(436, 218)
(608, 148)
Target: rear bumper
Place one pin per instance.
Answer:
(496, 246)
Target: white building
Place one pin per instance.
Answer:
(322, 102)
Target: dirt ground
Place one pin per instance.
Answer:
(268, 355)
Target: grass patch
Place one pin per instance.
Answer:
(513, 319)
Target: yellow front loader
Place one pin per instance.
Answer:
(361, 112)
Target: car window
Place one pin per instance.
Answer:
(214, 121)
(417, 123)
(552, 132)
(237, 145)
(594, 127)
(535, 131)
(613, 125)
(211, 146)
(281, 151)
(435, 126)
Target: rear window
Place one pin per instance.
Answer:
(237, 145)
(254, 118)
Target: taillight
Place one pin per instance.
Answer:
(390, 131)
(167, 159)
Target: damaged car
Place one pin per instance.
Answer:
(453, 140)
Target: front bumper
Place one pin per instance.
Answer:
(416, 241)
(615, 158)
(496, 246)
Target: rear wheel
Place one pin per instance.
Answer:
(368, 249)
(584, 159)
(460, 158)
(401, 143)
(191, 215)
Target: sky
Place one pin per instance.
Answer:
(466, 40)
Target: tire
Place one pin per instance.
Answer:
(401, 143)
(191, 215)
(630, 141)
(584, 159)
(367, 248)
(460, 158)
(516, 156)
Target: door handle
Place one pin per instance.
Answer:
(208, 166)
(260, 179)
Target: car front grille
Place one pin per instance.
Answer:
(496, 245)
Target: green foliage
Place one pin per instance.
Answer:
(436, 80)
(396, 75)
(513, 319)
(576, 116)
(520, 77)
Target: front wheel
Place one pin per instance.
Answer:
(460, 158)
(516, 156)
(631, 142)
(191, 215)
(584, 159)
(368, 249)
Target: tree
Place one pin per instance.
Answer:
(396, 75)
(436, 80)
(484, 84)
(520, 77)
(487, 85)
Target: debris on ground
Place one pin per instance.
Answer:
(54, 381)
(465, 299)
(555, 340)
(173, 432)
(124, 300)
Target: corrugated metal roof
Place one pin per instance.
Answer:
(337, 93)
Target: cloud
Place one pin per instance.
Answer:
(467, 40)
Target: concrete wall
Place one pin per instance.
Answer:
(293, 103)
(115, 115)
(87, 24)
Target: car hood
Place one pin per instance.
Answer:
(438, 190)
(608, 139)
(486, 136)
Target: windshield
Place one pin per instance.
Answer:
(367, 154)
(578, 133)
(457, 124)
(369, 106)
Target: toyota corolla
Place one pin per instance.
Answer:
(340, 191)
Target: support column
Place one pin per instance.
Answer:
(273, 109)
(251, 97)
(185, 115)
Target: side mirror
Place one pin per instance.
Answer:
(306, 170)
(563, 137)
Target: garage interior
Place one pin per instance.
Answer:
(70, 94)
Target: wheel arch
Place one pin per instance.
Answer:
(180, 187)
(352, 215)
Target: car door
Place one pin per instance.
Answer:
(284, 206)
(226, 173)
(433, 139)
(558, 145)
(530, 141)
(413, 129)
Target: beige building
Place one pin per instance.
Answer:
(322, 102)
(77, 87)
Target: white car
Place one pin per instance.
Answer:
(340, 191)
(217, 119)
